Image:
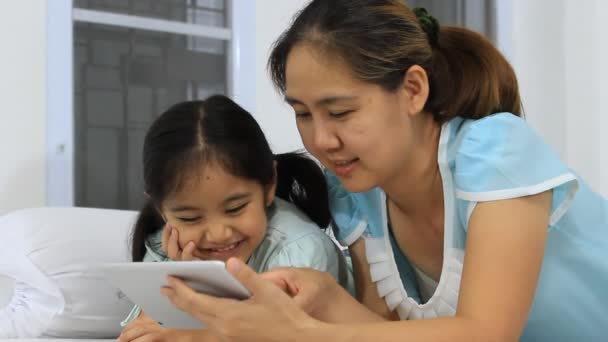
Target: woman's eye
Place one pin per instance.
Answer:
(236, 210)
(339, 114)
(302, 115)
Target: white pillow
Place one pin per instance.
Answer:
(49, 252)
(7, 285)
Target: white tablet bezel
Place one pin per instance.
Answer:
(142, 281)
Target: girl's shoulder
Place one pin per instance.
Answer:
(292, 235)
(288, 223)
(293, 240)
(154, 248)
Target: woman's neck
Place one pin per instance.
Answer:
(417, 189)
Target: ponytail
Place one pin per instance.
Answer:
(469, 77)
(301, 182)
(148, 222)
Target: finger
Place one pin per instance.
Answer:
(165, 238)
(138, 330)
(173, 250)
(258, 286)
(152, 337)
(283, 278)
(198, 305)
(184, 304)
(145, 325)
(188, 253)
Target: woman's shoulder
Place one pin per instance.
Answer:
(497, 148)
(501, 157)
(354, 213)
(493, 128)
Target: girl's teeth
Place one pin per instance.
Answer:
(225, 248)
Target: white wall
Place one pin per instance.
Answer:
(557, 48)
(23, 94)
(275, 117)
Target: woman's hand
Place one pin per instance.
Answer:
(319, 295)
(170, 245)
(269, 315)
(312, 290)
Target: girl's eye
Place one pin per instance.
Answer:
(189, 219)
(340, 114)
(236, 210)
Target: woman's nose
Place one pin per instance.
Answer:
(325, 138)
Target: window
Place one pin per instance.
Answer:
(130, 60)
(478, 15)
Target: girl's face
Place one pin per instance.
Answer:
(358, 130)
(224, 215)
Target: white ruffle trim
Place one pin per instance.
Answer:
(385, 275)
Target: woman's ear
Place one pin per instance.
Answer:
(270, 190)
(415, 89)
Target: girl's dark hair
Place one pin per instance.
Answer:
(379, 40)
(190, 134)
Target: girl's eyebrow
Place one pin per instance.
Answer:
(184, 208)
(234, 197)
(237, 196)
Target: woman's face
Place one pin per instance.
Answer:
(356, 129)
(224, 215)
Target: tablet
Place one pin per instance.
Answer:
(142, 281)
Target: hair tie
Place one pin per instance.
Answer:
(429, 24)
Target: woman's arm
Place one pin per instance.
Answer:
(504, 252)
(367, 294)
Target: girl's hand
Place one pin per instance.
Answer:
(148, 331)
(269, 315)
(170, 245)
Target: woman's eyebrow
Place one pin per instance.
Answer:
(324, 101)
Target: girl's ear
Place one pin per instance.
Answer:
(270, 190)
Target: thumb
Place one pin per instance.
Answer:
(284, 279)
(249, 278)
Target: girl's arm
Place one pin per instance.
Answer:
(145, 328)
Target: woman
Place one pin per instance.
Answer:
(461, 222)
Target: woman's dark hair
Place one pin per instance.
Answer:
(379, 40)
(190, 134)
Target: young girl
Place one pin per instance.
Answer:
(461, 222)
(216, 187)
